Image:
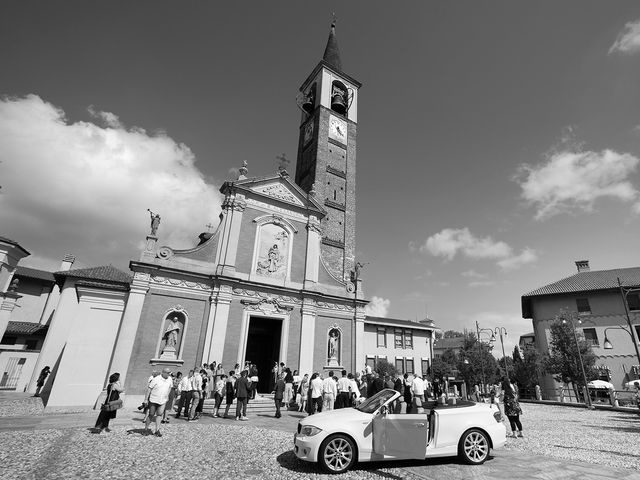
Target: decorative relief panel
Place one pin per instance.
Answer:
(263, 295)
(179, 283)
(280, 192)
(273, 252)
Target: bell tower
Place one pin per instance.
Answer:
(326, 160)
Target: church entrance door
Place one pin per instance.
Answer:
(263, 348)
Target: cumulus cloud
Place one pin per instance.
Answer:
(83, 188)
(573, 180)
(453, 241)
(628, 40)
(473, 274)
(378, 307)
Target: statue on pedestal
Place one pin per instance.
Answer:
(155, 222)
(171, 339)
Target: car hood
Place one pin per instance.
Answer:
(334, 417)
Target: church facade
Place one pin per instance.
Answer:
(277, 281)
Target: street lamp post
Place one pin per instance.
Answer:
(625, 292)
(493, 337)
(584, 375)
(500, 331)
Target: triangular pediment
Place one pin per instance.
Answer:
(278, 191)
(279, 188)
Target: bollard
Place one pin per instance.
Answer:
(538, 392)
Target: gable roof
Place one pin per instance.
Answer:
(396, 322)
(104, 275)
(589, 281)
(283, 190)
(35, 274)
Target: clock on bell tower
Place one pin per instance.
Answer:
(326, 157)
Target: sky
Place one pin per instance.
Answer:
(498, 141)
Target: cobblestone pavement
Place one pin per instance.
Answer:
(559, 442)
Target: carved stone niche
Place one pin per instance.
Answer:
(172, 336)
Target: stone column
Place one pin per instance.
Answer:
(221, 318)
(129, 325)
(313, 251)
(9, 301)
(207, 353)
(228, 247)
(307, 336)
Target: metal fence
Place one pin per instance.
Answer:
(599, 396)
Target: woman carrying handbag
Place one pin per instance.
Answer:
(111, 404)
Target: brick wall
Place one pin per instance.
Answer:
(149, 330)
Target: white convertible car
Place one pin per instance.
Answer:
(369, 432)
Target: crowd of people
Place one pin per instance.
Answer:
(321, 391)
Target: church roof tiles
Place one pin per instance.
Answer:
(105, 274)
(332, 52)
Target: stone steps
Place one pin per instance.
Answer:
(263, 403)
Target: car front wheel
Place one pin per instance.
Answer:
(474, 447)
(337, 453)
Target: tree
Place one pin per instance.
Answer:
(480, 362)
(383, 368)
(444, 365)
(527, 366)
(563, 361)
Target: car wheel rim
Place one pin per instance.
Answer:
(476, 447)
(338, 454)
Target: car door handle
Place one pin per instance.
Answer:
(419, 425)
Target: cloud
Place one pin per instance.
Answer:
(450, 242)
(83, 188)
(525, 257)
(474, 274)
(628, 40)
(378, 307)
(481, 283)
(573, 180)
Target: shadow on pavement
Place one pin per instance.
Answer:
(289, 461)
(141, 431)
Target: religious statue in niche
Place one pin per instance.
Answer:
(273, 252)
(333, 350)
(171, 335)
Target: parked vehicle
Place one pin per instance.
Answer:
(371, 432)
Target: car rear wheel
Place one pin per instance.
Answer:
(474, 447)
(337, 453)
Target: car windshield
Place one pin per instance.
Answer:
(371, 404)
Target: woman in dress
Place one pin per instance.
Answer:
(114, 389)
(512, 407)
(304, 388)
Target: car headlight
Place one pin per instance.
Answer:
(309, 431)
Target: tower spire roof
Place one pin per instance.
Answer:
(332, 52)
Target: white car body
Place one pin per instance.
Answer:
(440, 432)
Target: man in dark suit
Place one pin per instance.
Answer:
(279, 394)
(242, 395)
(376, 386)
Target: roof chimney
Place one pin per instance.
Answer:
(583, 265)
(67, 261)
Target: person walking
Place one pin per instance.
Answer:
(196, 393)
(42, 378)
(288, 389)
(315, 391)
(184, 388)
(114, 389)
(278, 396)
(512, 407)
(156, 399)
(230, 392)
(172, 396)
(242, 394)
(218, 394)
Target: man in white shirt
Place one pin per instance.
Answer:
(343, 400)
(184, 388)
(329, 392)
(316, 394)
(417, 389)
(156, 399)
